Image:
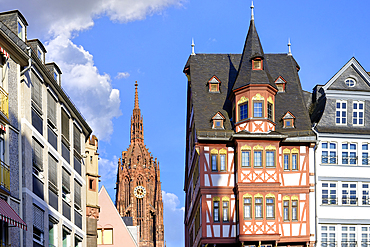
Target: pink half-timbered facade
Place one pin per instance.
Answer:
(249, 150)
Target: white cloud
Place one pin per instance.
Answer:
(121, 75)
(56, 22)
(173, 219)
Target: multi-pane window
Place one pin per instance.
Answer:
(245, 158)
(216, 211)
(348, 236)
(270, 111)
(358, 113)
(20, 30)
(247, 208)
(286, 210)
(286, 161)
(353, 154)
(270, 158)
(365, 236)
(243, 110)
(257, 109)
(365, 194)
(258, 208)
(349, 193)
(345, 153)
(257, 158)
(329, 153)
(341, 112)
(329, 193)
(270, 208)
(223, 162)
(294, 161)
(214, 162)
(294, 209)
(365, 154)
(328, 236)
(225, 211)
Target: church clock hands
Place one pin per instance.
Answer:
(139, 191)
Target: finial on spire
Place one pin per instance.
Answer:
(136, 96)
(252, 13)
(289, 49)
(192, 47)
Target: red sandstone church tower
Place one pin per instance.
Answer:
(139, 195)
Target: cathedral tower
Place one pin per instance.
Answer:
(139, 195)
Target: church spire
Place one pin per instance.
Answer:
(136, 96)
(137, 130)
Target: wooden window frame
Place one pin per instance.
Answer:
(216, 165)
(225, 162)
(240, 111)
(254, 158)
(227, 207)
(295, 201)
(249, 158)
(254, 63)
(274, 158)
(216, 208)
(286, 207)
(288, 163)
(262, 108)
(259, 204)
(270, 111)
(247, 204)
(268, 204)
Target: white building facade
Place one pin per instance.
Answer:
(341, 120)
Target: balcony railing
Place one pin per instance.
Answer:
(349, 201)
(328, 159)
(4, 175)
(349, 244)
(349, 160)
(329, 201)
(329, 244)
(4, 102)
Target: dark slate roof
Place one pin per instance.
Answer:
(22, 45)
(252, 49)
(205, 104)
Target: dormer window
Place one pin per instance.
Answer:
(280, 84)
(257, 64)
(214, 84)
(218, 121)
(21, 30)
(288, 120)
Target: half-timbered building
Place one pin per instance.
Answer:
(249, 146)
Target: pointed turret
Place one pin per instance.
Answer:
(252, 69)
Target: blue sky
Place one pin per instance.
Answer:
(103, 47)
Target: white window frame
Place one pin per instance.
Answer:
(365, 154)
(330, 197)
(358, 112)
(342, 112)
(365, 235)
(348, 235)
(331, 150)
(365, 194)
(330, 237)
(349, 193)
(23, 31)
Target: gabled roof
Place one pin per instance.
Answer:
(109, 216)
(280, 79)
(288, 115)
(218, 116)
(252, 49)
(214, 79)
(356, 65)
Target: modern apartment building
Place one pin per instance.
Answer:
(44, 143)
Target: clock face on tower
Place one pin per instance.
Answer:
(139, 191)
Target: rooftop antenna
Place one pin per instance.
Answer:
(252, 13)
(289, 49)
(192, 47)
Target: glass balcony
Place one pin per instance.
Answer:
(4, 175)
(4, 102)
